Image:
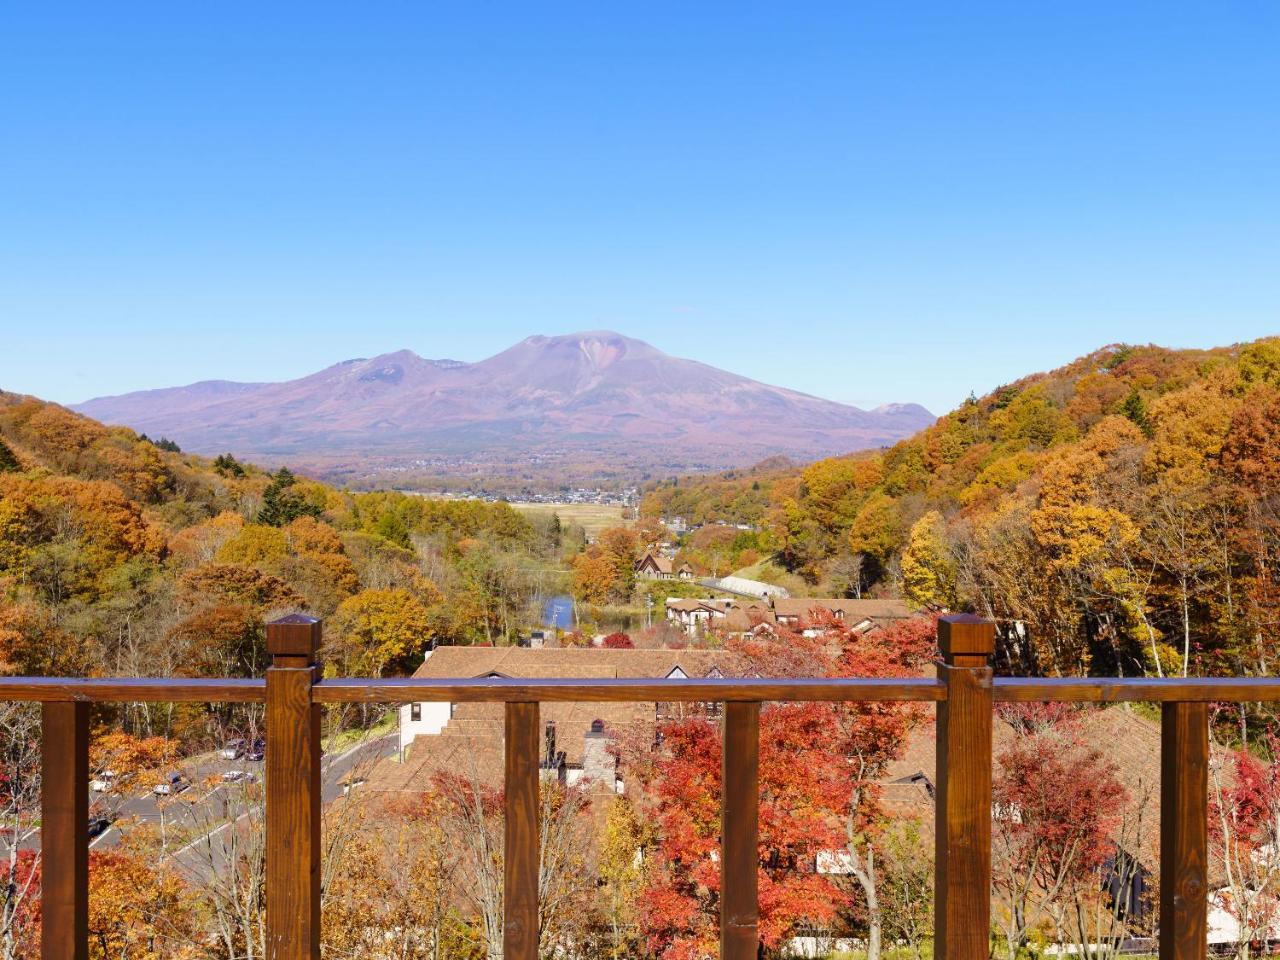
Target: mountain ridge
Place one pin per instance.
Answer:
(574, 393)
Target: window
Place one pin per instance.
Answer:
(415, 712)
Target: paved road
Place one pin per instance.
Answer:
(228, 809)
(203, 811)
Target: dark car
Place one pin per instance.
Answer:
(98, 826)
(171, 784)
(256, 751)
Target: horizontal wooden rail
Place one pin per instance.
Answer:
(1148, 690)
(626, 691)
(552, 690)
(130, 690)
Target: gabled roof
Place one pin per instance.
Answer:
(852, 611)
(650, 559)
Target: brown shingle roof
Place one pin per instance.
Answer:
(568, 662)
(659, 563)
(854, 611)
(471, 744)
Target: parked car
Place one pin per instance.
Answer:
(257, 750)
(171, 784)
(233, 750)
(98, 826)
(238, 776)
(104, 782)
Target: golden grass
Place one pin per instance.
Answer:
(592, 517)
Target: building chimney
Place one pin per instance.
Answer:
(599, 765)
(550, 737)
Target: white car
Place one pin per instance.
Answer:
(104, 782)
(171, 784)
(237, 776)
(233, 750)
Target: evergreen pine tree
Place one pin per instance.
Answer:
(227, 465)
(8, 462)
(1136, 410)
(281, 505)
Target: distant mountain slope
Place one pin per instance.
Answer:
(562, 397)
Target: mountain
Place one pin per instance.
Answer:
(559, 398)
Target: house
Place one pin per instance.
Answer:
(653, 566)
(739, 616)
(579, 738)
(860, 615)
(692, 615)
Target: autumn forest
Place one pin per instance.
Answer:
(1119, 516)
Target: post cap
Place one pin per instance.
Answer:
(965, 635)
(296, 635)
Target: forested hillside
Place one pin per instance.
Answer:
(119, 555)
(1118, 515)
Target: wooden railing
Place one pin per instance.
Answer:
(964, 691)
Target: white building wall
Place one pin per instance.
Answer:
(433, 718)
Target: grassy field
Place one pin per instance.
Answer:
(766, 571)
(592, 517)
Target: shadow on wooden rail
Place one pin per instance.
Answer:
(965, 693)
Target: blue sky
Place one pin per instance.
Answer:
(867, 201)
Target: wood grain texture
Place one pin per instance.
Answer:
(467, 689)
(966, 640)
(1149, 690)
(360, 690)
(131, 690)
(1184, 831)
(64, 831)
(962, 912)
(739, 833)
(293, 809)
(520, 928)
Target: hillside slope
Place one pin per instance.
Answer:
(1124, 510)
(121, 556)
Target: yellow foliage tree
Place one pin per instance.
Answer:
(378, 629)
(140, 911)
(928, 572)
(255, 545)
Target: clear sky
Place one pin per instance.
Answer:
(867, 201)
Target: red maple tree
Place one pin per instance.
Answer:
(819, 768)
(617, 641)
(1057, 805)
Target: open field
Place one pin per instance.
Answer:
(592, 517)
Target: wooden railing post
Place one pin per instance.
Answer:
(520, 928)
(293, 791)
(739, 833)
(64, 831)
(962, 912)
(1184, 831)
